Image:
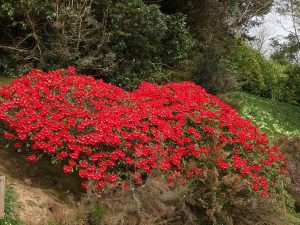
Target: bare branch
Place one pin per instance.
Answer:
(13, 48)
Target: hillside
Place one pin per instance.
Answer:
(57, 194)
(273, 117)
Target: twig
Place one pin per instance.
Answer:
(13, 48)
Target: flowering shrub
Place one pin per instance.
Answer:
(119, 138)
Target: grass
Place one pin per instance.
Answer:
(273, 117)
(6, 80)
(10, 205)
(292, 217)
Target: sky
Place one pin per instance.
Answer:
(273, 25)
(277, 24)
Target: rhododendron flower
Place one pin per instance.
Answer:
(83, 164)
(31, 158)
(246, 170)
(8, 135)
(222, 164)
(264, 193)
(17, 145)
(67, 169)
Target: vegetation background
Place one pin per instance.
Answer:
(207, 42)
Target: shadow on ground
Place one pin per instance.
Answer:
(41, 174)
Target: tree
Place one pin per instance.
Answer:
(122, 42)
(261, 40)
(211, 19)
(289, 49)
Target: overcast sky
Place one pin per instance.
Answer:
(279, 25)
(274, 25)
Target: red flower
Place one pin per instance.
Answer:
(31, 158)
(17, 145)
(62, 155)
(113, 178)
(84, 185)
(83, 164)
(67, 169)
(222, 164)
(8, 135)
(100, 185)
(264, 193)
(246, 170)
(72, 70)
(198, 171)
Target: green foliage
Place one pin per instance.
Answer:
(288, 51)
(291, 147)
(211, 72)
(23, 26)
(97, 213)
(273, 117)
(210, 19)
(123, 42)
(256, 74)
(292, 84)
(288, 48)
(10, 205)
(144, 39)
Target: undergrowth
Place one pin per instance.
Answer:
(10, 206)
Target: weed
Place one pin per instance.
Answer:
(10, 205)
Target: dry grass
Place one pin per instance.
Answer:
(151, 204)
(224, 200)
(291, 147)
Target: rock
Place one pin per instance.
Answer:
(27, 181)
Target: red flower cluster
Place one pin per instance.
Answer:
(112, 136)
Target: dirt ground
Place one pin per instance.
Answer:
(44, 194)
(37, 206)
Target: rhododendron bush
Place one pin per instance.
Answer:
(118, 138)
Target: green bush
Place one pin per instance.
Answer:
(256, 74)
(212, 72)
(292, 84)
(143, 39)
(123, 42)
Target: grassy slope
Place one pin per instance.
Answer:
(273, 117)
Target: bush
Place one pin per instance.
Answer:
(138, 206)
(256, 74)
(291, 147)
(292, 84)
(211, 72)
(116, 138)
(122, 42)
(218, 199)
